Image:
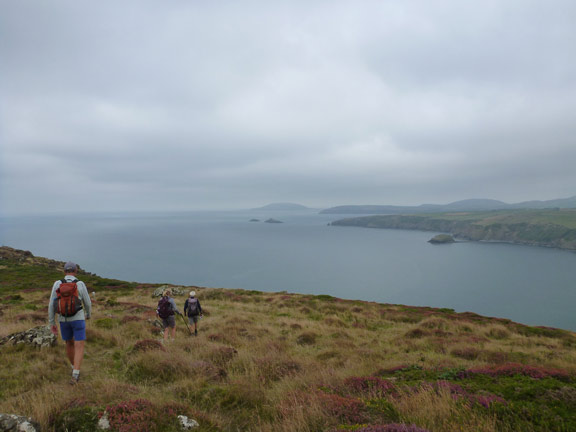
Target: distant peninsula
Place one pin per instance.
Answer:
(554, 228)
(282, 206)
(464, 205)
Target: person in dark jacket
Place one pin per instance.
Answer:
(193, 310)
(167, 314)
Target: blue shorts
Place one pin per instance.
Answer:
(73, 330)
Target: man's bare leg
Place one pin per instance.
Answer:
(78, 349)
(70, 351)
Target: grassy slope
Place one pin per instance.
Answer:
(283, 362)
(565, 217)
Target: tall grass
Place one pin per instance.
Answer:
(286, 362)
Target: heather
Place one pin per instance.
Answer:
(282, 362)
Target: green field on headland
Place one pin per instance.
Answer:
(550, 228)
(280, 362)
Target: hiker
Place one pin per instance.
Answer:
(193, 310)
(70, 300)
(166, 310)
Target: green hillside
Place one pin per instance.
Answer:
(281, 362)
(549, 228)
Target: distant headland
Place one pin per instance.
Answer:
(283, 207)
(554, 228)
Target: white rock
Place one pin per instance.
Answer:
(103, 423)
(26, 427)
(187, 423)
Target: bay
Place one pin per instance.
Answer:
(304, 254)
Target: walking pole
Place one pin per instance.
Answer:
(186, 324)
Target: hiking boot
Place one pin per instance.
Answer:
(74, 380)
(195, 332)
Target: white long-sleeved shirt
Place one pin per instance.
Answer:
(82, 314)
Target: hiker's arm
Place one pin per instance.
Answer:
(85, 297)
(51, 311)
(174, 308)
(185, 306)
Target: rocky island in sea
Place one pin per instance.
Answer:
(442, 239)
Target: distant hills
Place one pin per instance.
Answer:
(283, 206)
(464, 205)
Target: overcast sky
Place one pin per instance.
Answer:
(179, 104)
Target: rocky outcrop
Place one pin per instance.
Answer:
(40, 337)
(27, 258)
(176, 290)
(15, 423)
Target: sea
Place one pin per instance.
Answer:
(305, 254)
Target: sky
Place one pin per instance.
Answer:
(140, 105)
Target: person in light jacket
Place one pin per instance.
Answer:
(72, 322)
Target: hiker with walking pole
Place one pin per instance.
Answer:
(193, 310)
(166, 310)
(71, 301)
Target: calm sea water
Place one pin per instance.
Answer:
(531, 285)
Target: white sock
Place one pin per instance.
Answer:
(75, 373)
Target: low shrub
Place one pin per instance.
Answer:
(368, 385)
(208, 370)
(105, 323)
(130, 318)
(434, 323)
(498, 333)
(511, 369)
(155, 366)
(83, 419)
(271, 369)
(308, 338)
(345, 409)
(458, 392)
(148, 345)
(222, 355)
(140, 415)
(393, 427)
(416, 333)
(468, 353)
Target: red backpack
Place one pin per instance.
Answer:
(67, 300)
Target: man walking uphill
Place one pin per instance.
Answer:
(70, 300)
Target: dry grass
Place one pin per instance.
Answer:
(439, 411)
(270, 361)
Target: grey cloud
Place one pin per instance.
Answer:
(325, 103)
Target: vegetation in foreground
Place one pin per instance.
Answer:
(549, 227)
(282, 362)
